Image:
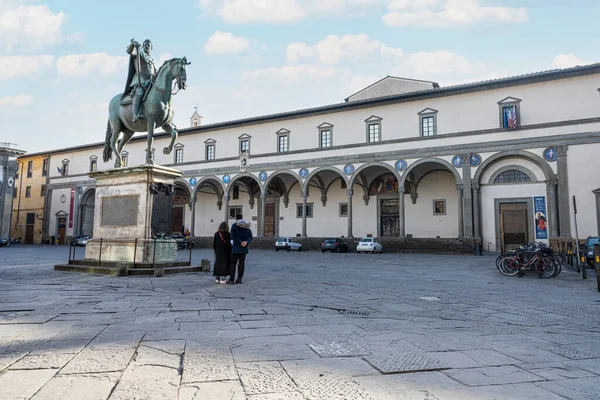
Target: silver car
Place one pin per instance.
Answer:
(369, 245)
(287, 243)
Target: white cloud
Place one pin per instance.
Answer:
(567, 61)
(289, 74)
(162, 59)
(333, 49)
(452, 13)
(86, 64)
(441, 62)
(16, 101)
(30, 27)
(246, 11)
(225, 43)
(19, 66)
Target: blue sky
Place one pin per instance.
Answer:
(61, 61)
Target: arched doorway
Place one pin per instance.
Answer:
(86, 212)
(207, 205)
(181, 199)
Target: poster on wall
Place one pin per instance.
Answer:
(541, 224)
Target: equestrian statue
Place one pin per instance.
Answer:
(145, 103)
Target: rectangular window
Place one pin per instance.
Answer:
(93, 165)
(45, 167)
(30, 219)
(28, 191)
(283, 141)
(210, 151)
(326, 138)
(244, 145)
(343, 209)
(178, 156)
(309, 210)
(373, 133)
(65, 169)
(234, 210)
(30, 169)
(43, 191)
(439, 207)
(510, 118)
(428, 126)
(124, 161)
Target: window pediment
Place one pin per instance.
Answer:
(210, 141)
(509, 100)
(179, 146)
(244, 136)
(282, 131)
(428, 111)
(65, 161)
(93, 158)
(373, 118)
(325, 125)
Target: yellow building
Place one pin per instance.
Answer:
(28, 198)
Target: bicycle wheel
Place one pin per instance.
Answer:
(546, 267)
(509, 266)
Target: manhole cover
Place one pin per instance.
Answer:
(354, 312)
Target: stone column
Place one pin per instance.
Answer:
(467, 196)
(552, 211)
(261, 222)
(47, 211)
(476, 211)
(350, 193)
(461, 230)
(304, 196)
(226, 200)
(193, 222)
(401, 212)
(564, 203)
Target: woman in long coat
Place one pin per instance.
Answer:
(222, 248)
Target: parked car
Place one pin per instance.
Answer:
(80, 240)
(183, 242)
(287, 243)
(3, 242)
(588, 249)
(334, 245)
(369, 245)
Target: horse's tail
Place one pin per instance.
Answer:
(107, 154)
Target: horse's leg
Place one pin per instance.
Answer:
(116, 130)
(123, 141)
(150, 130)
(170, 128)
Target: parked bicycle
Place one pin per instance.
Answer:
(537, 257)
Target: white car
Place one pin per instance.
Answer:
(287, 243)
(369, 245)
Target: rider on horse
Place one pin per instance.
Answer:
(141, 73)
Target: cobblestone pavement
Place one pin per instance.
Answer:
(302, 326)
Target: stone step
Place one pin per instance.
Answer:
(90, 269)
(168, 270)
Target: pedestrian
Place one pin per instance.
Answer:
(241, 235)
(222, 248)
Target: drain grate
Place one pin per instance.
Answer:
(354, 312)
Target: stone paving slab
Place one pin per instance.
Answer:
(281, 335)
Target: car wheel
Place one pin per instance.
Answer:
(276, 249)
(322, 251)
(299, 248)
(337, 250)
(288, 249)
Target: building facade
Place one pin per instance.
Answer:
(28, 199)
(496, 162)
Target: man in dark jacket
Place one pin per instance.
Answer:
(241, 235)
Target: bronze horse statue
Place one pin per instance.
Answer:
(157, 111)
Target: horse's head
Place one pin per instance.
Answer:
(179, 70)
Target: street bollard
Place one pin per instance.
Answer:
(122, 269)
(159, 270)
(570, 253)
(597, 264)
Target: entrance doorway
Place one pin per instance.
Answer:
(389, 217)
(62, 230)
(269, 219)
(513, 225)
(29, 228)
(177, 220)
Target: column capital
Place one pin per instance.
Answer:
(466, 158)
(304, 194)
(263, 195)
(562, 150)
(350, 192)
(459, 188)
(226, 198)
(551, 184)
(475, 186)
(401, 190)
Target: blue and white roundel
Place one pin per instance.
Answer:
(550, 154)
(400, 165)
(226, 178)
(263, 176)
(457, 161)
(193, 182)
(303, 173)
(349, 169)
(475, 159)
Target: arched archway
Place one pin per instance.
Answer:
(240, 196)
(277, 190)
(86, 212)
(518, 154)
(207, 201)
(181, 198)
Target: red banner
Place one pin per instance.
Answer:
(71, 207)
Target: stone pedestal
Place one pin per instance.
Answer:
(133, 206)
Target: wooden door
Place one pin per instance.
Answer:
(177, 220)
(389, 217)
(513, 225)
(29, 228)
(62, 230)
(269, 219)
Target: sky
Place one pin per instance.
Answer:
(61, 61)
